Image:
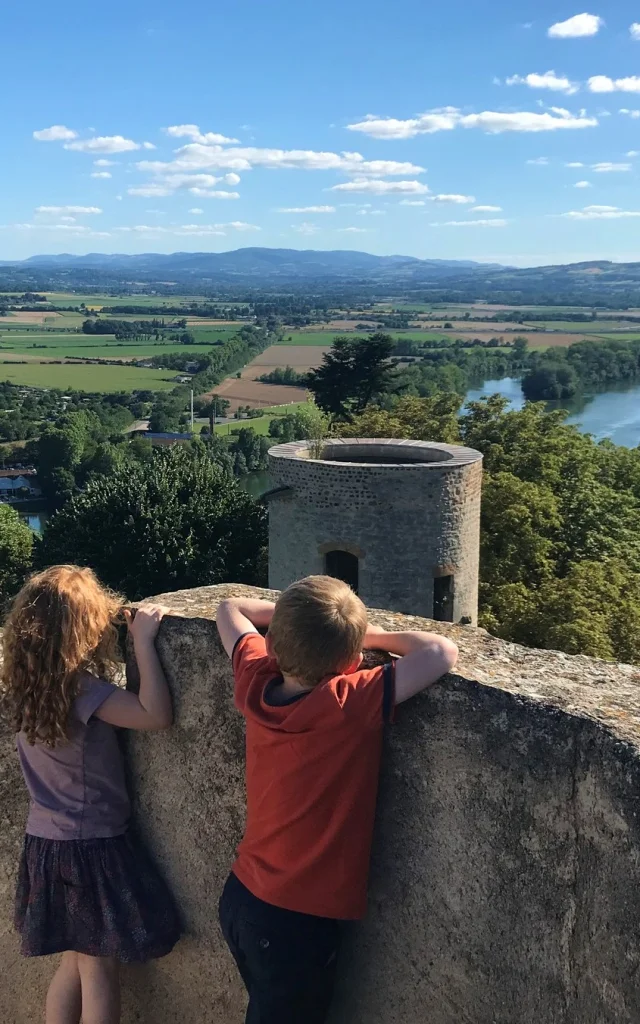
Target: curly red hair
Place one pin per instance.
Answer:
(61, 624)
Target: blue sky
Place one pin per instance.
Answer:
(442, 131)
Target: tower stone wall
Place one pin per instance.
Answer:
(408, 511)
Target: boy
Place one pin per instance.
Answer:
(314, 738)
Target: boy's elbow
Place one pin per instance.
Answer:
(449, 654)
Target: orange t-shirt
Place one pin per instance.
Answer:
(312, 781)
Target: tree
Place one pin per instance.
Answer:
(560, 537)
(175, 523)
(352, 373)
(420, 419)
(550, 382)
(307, 423)
(16, 543)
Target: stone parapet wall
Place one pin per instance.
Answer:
(505, 881)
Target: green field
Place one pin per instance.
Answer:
(261, 423)
(88, 346)
(83, 377)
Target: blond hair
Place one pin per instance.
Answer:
(318, 628)
(62, 623)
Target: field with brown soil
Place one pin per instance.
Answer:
(461, 327)
(300, 357)
(21, 316)
(257, 395)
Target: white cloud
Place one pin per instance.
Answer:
(353, 231)
(634, 114)
(392, 128)
(549, 80)
(103, 144)
(449, 197)
(600, 213)
(232, 179)
(192, 131)
(381, 188)
(306, 228)
(191, 229)
(602, 83)
(492, 222)
(408, 202)
(307, 209)
(577, 27)
(148, 145)
(489, 121)
(574, 163)
(197, 157)
(539, 161)
(151, 191)
(68, 209)
(196, 210)
(634, 31)
(485, 209)
(582, 184)
(104, 163)
(67, 220)
(100, 174)
(607, 167)
(63, 227)
(239, 225)
(208, 193)
(56, 133)
(632, 153)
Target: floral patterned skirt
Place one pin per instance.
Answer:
(101, 897)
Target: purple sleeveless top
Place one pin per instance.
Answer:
(78, 788)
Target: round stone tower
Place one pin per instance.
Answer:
(397, 520)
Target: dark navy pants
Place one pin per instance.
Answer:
(287, 960)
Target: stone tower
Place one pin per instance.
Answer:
(398, 520)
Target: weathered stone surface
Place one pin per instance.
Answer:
(506, 869)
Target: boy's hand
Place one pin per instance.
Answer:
(374, 638)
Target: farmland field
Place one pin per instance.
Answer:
(87, 346)
(300, 357)
(85, 377)
(260, 423)
(251, 392)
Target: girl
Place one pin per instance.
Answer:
(84, 889)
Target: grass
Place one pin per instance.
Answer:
(87, 346)
(260, 423)
(105, 379)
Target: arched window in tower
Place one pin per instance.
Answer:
(343, 566)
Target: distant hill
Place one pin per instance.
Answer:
(344, 274)
(258, 263)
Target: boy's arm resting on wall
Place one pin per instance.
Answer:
(237, 616)
(423, 658)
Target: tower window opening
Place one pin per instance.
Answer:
(443, 598)
(342, 565)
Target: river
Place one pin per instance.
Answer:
(612, 414)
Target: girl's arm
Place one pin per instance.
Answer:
(151, 707)
(240, 615)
